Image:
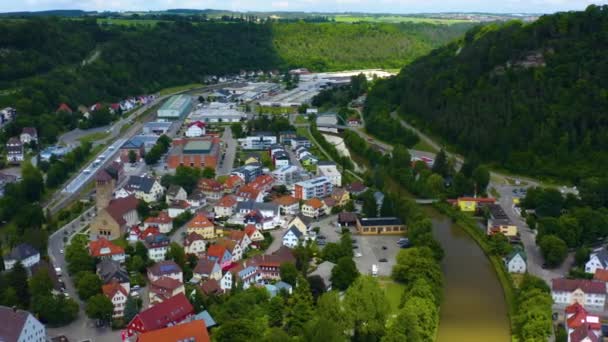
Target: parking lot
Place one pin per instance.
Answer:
(370, 248)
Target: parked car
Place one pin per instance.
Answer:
(383, 260)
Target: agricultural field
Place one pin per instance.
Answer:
(396, 19)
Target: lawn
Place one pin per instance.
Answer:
(301, 119)
(93, 137)
(180, 89)
(396, 19)
(128, 22)
(393, 292)
(424, 146)
(275, 110)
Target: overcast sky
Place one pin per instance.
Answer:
(384, 6)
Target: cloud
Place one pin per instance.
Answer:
(383, 6)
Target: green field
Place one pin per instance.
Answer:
(393, 291)
(128, 22)
(178, 89)
(396, 19)
(93, 137)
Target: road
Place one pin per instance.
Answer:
(229, 154)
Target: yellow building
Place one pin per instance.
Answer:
(202, 226)
(499, 222)
(380, 225)
(470, 204)
(341, 196)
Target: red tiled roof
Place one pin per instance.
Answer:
(261, 181)
(584, 333)
(236, 235)
(64, 107)
(174, 309)
(330, 202)
(110, 289)
(601, 275)
(103, 247)
(164, 283)
(195, 331)
(198, 124)
(569, 285)
(103, 176)
(208, 184)
(233, 181)
(211, 286)
(286, 200)
(227, 201)
(120, 206)
(248, 192)
(477, 199)
(315, 203)
(199, 221)
(181, 204)
(228, 244)
(151, 230)
(281, 256)
(164, 267)
(204, 266)
(250, 229)
(216, 251)
(162, 218)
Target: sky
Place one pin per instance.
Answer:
(382, 6)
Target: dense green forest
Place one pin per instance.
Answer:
(48, 61)
(530, 98)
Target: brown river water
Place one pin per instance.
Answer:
(473, 307)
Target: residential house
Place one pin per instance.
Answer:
(104, 249)
(269, 265)
(142, 235)
(470, 204)
(145, 188)
(499, 222)
(226, 281)
(164, 288)
(233, 247)
(225, 206)
(212, 189)
(197, 199)
(63, 107)
(301, 222)
(280, 159)
(329, 204)
(246, 273)
(356, 188)
(117, 295)
(195, 331)
(292, 237)
(157, 246)
(285, 137)
(256, 189)
(300, 142)
(171, 312)
(14, 151)
(177, 208)
(232, 183)
(316, 187)
(176, 193)
(166, 268)
(28, 134)
(220, 255)
(516, 261)
(580, 325)
(248, 172)
(196, 129)
(263, 215)
(211, 287)
(163, 221)
(598, 259)
(112, 221)
(194, 244)
(205, 316)
(258, 141)
(380, 225)
(324, 272)
(347, 219)
(308, 159)
(20, 326)
(201, 225)
(341, 196)
(585, 292)
(207, 269)
(254, 235)
(313, 208)
(288, 205)
(24, 253)
(330, 171)
(239, 237)
(111, 271)
(288, 175)
(278, 287)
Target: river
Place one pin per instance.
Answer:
(473, 307)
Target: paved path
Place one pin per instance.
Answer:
(229, 154)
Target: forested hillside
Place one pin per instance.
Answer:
(41, 58)
(340, 46)
(531, 98)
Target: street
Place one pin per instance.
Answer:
(228, 154)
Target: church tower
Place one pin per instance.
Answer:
(104, 188)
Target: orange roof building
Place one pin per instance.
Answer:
(314, 203)
(201, 225)
(196, 152)
(195, 331)
(104, 249)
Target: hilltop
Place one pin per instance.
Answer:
(527, 97)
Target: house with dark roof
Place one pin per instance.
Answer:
(292, 237)
(164, 288)
(112, 222)
(162, 221)
(197, 199)
(194, 243)
(111, 271)
(176, 193)
(516, 261)
(14, 151)
(172, 311)
(146, 188)
(206, 269)
(380, 225)
(589, 293)
(269, 265)
(24, 253)
(598, 259)
(20, 325)
(167, 268)
(28, 134)
(157, 246)
(347, 219)
(137, 146)
(324, 271)
(211, 287)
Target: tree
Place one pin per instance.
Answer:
(426, 316)
(276, 335)
(240, 329)
(143, 209)
(40, 283)
(141, 250)
(440, 165)
(415, 263)
(177, 254)
(367, 308)
(132, 307)
(289, 273)
(275, 311)
(208, 172)
(78, 258)
(303, 256)
(87, 284)
(317, 286)
(344, 273)
(500, 245)
(300, 308)
(17, 279)
(330, 308)
(481, 175)
(237, 130)
(100, 307)
(553, 249)
(582, 256)
(132, 157)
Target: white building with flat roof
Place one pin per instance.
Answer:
(319, 187)
(175, 107)
(330, 170)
